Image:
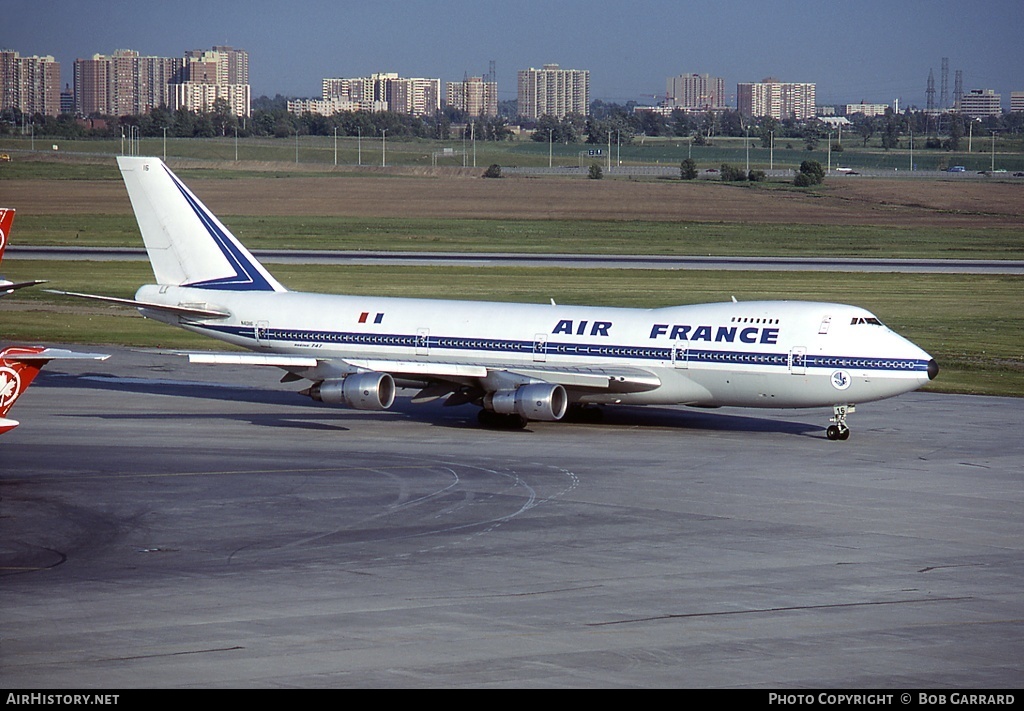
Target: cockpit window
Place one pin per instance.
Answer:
(861, 320)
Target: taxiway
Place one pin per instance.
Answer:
(174, 525)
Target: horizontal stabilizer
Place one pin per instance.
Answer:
(48, 354)
(187, 311)
(7, 288)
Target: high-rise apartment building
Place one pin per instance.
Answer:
(385, 91)
(866, 109)
(779, 100)
(978, 103)
(29, 84)
(553, 91)
(474, 95)
(415, 97)
(212, 75)
(1017, 101)
(124, 83)
(695, 92)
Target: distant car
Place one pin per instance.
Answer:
(4, 158)
(711, 170)
(956, 169)
(1018, 175)
(999, 170)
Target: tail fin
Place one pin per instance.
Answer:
(19, 365)
(6, 220)
(187, 244)
(15, 377)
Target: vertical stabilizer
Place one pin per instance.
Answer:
(187, 244)
(15, 377)
(6, 221)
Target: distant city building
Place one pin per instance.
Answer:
(377, 92)
(1017, 101)
(414, 97)
(978, 103)
(779, 100)
(866, 109)
(553, 91)
(29, 84)
(123, 83)
(695, 92)
(474, 95)
(212, 75)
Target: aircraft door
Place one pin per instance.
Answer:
(540, 348)
(260, 332)
(680, 353)
(422, 341)
(798, 360)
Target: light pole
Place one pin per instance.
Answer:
(236, 142)
(551, 133)
(993, 168)
(335, 146)
(383, 147)
(746, 145)
(165, 144)
(771, 150)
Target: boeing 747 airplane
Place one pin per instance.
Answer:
(6, 222)
(517, 362)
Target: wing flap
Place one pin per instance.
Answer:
(280, 361)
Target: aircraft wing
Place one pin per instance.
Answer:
(612, 379)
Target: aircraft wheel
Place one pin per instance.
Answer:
(845, 434)
(833, 432)
(497, 421)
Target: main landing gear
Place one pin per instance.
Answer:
(840, 430)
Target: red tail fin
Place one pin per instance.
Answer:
(15, 377)
(6, 220)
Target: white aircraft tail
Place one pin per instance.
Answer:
(187, 244)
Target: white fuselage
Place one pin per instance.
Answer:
(749, 354)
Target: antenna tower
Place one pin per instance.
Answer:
(931, 91)
(958, 88)
(944, 96)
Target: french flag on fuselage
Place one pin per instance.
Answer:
(364, 317)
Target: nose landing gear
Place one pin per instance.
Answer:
(840, 430)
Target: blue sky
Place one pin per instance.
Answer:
(872, 50)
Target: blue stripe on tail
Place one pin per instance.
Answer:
(247, 276)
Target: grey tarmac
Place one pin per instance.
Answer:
(166, 525)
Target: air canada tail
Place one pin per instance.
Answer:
(15, 377)
(187, 244)
(6, 221)
(19, 365)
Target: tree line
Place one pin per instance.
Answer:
(607, 123)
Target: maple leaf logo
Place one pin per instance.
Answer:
(10, 386)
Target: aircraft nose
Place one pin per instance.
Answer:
(933, 369)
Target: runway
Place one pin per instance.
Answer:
(167, 525)
(570, 261)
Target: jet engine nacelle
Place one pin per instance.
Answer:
(362, 391)
(537, 401)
